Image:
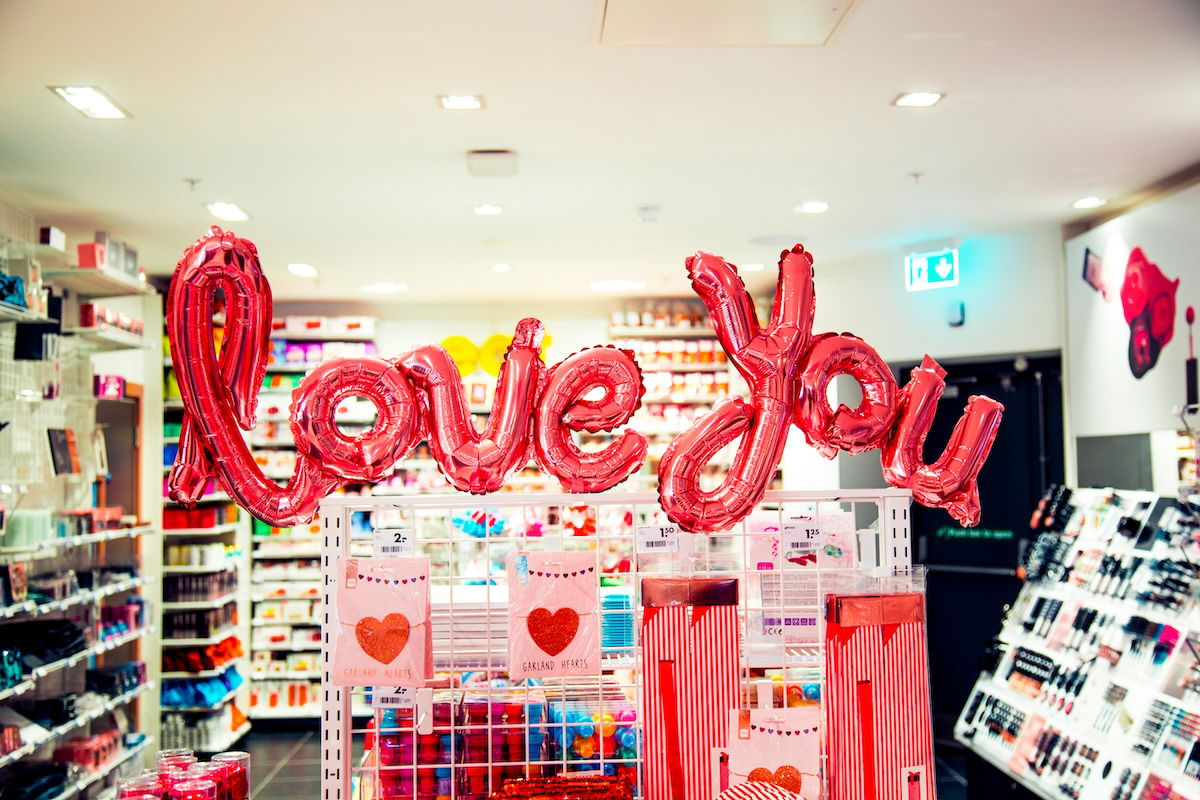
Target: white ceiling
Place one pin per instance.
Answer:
(319, 119)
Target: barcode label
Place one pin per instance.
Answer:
(657, 538)
(393, 697)
(394, 542)
(799, 541)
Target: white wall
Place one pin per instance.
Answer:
(1010, 282)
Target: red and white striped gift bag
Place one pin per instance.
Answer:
(690, 667)
(877, 698)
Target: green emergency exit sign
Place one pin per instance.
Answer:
(933, 270)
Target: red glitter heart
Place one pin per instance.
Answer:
(383, 640)
(786, 777)
(552, 632)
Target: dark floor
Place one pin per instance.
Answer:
(287, 766)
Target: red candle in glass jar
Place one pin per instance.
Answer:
(237, 766)
(194, 790)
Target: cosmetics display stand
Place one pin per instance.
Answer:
(1095, 689)
(464, 739)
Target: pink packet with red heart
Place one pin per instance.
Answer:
(779, 746)
(553, 619)
(381, 631)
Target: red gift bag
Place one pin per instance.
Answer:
(690, 661)
(877, 698)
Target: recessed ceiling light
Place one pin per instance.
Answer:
(303, 270)
(227, 211)
(90, 101)
(383, 287)
(488, 210)
(461, 102)
(753, 267)
(1089, 202)
(917, 99)
(617, 286)
(501, 267)
(812, 207)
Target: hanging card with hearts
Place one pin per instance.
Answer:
(777, 746)
(553, 619)
(381, 614)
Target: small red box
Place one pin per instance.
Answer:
(91, 255)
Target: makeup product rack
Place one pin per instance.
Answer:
(467, 732)
(1095, 692)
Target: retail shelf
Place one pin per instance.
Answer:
(684, 399)
(275, 556)
(216, 706)
(86, 596)
(172, 569)
(170, 440)
(78, 787)
(288, 537)
(267, 444)
(107, 338)
(306, 712)
(100, 647)
(173, 403)
(203, 641)
(262, 598)
(11, 313)
(298, 647)
(215, 531)
(312, 675)
(215, 497)
(307, 577)
(188, 605)
(293, 623)
(292, 367)
(102, 282)
(322, 336)
(16, 690)
(227, 741)
(670, 366)
(47, 547)
(649, 332)
(204, 673)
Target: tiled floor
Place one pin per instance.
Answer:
(287, 765)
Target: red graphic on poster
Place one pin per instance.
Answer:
(1148, 299)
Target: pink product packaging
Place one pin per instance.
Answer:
(553, 619)
(294, 353)
(110, 387)
(779, 746)
(381, 607)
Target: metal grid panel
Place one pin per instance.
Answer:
(458, 741)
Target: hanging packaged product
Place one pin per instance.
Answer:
(382, 610)
(691, 660)
(553, 619)
(777, 746)
(877, 697)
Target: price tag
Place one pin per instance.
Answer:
(799, 541)
(658, 538)
(393, 697)
(394, 542)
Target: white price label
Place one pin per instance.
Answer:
(393, 697)
(799, 541)
(658, 538)
(394, 542)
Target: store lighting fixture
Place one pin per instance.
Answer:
(303, 270)
(383, 287)
(488, 210)
(753, 267)
(812, 207)
(617, 286)
(917, 99)
(1089, 202)
(461, 102)
(501, 267)
(227, 211)
(90, 101)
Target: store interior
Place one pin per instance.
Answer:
(1010, 189)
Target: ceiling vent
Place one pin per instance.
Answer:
(718, 23)
(492, 163)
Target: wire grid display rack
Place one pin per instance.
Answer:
(471, 730)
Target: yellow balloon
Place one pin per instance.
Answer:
(492, 352)
(464, 353)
